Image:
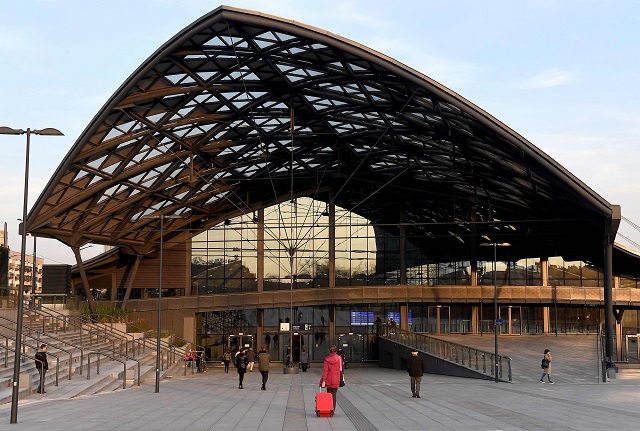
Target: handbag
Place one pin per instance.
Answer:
(545, 363)
(342, 383)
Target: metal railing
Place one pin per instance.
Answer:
(114, 358)
(23, 355)
(37, 340)
(469, 357)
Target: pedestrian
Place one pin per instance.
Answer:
(241, 363)
(226, 358)
(42, 366)
(251, 357)
(546, 366)
(304, 360)
(331, 375)
(343, 357)
(415, 367)
(264, 358)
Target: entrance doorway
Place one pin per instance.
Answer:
(512, 318)
(439, 319)
(632, 349)
(353, 346)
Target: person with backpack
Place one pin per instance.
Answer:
(546, 366)
(226, 358)
(241, 364)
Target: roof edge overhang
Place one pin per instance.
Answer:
(593, 200)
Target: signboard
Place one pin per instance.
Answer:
(301, 327)
(284, 327)
(499, 321)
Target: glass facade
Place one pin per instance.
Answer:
(296, 249)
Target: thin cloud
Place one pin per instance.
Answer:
(549, 78)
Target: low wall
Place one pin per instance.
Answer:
(394, 355)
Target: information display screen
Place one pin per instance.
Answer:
(362, 318)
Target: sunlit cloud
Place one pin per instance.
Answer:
(549, 78)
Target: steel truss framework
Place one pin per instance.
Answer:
(242, 110)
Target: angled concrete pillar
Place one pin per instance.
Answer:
(132, 277)
(85, 282)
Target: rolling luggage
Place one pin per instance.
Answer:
(324, 404)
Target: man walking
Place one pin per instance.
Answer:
(263, 365)
(415, 367)
(42, 366)
(251, 357)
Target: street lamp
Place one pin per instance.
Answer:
(18, 346)
(161, 217)
(495, 246)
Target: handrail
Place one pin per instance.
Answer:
(111, 331)
(169, 345)
(112, 357)
(2, 325)
(73, 320)
(466, 356)
(23, 354)
(7, 348)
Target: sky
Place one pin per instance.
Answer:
(564, 74)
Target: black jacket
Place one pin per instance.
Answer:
(415, 366)
(41, 362)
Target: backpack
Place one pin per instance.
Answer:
(545, 363)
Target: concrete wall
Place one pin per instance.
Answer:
(394, 355)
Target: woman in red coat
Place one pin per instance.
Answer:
(331, 375)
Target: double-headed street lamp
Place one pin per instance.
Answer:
(495, 246)
(18, 346)
(159, 336)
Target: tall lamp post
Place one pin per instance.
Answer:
(495, 246)
(18, 346)
(159, 332)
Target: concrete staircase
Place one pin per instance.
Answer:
(116, 370)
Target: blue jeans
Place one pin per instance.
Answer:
(545, 374)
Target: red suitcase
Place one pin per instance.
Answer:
(324, 404)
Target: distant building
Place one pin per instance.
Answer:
(13, 273)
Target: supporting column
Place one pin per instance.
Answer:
(545, 319)
(114, 287)
(404, 316)
(132, 277)
(259, 330)
(618, 315)
(611, 227)
(403, 252)
(332, 241)
(260, 250)
(85, 282)
(332, 325)
(473, 249)
(544, 270)
(475, 317)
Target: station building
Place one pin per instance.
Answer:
(258, 171)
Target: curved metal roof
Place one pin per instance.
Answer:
(241, 110)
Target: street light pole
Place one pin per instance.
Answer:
(495, 306)
(18, 345)
(159, 332)
(495, 246)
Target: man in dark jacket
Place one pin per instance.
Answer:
(415, 367)
(42, 365)
(241, 364)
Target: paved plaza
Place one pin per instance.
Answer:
(374, 399)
